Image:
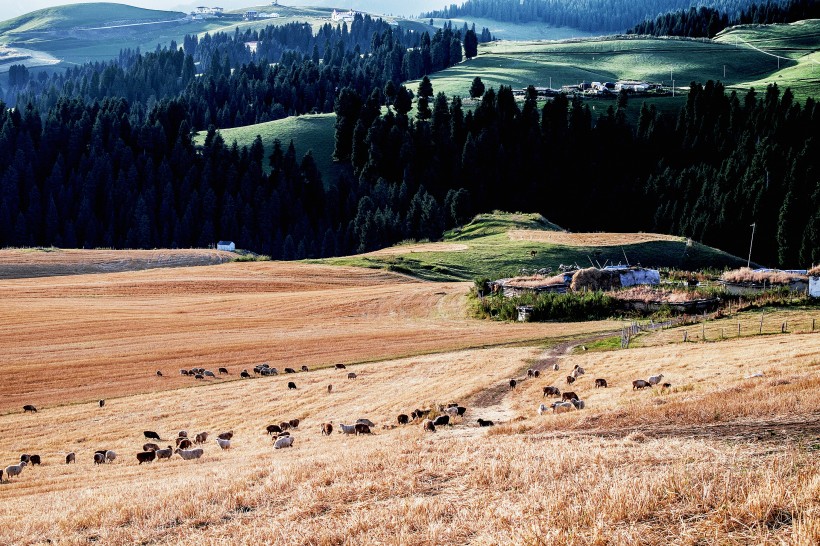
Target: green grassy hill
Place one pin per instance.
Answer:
(484, 248)
(504, 30)
(309, 132)
(69, 17)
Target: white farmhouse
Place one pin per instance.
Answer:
(814, 286)
(226, 245)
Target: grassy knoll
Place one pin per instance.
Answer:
(492, 246)
(309, 132)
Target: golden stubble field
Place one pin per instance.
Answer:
(721, 458)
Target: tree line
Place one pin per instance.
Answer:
(588, 15)
(705, 22)
(724, 162)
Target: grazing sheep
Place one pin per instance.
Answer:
(274, 371)
(189, 454)
(666, 386)
(327, 429)
(35, 459)
(183, 372)
(305, 369)
(110, 456)
(184, 443)
(361, 428)
(351, 375)
(180, 439)
(201, 438)
(530, 372)
(29, 407)
(285, 441)
(418, 414)
(452, 412)
(102, 403)
(562, 407)
(291, 385)
(600, 383)
(71, 458)
(441, 420)
(146, 456)
(403, 419)
(99, 458)
(428, 425)
(284, 425)
(224, 444)
(570, 380)
(555, 367)
(183, 434)
(290, 370)
(367, 422)
(654, 379)
(244, 374)
(578, 370)
(209, 373)
(294, 423)
(552, 391)
(542, 409)
(223, 371)
(513, 383)
(164, 453)
(461, 411)
(14, 470)
(536, 373)
(579, 404)
(329, 388)
(199, 376)
(640, 384)
(569, 395)
(347, 429)
(282, 434)
(159, 373)
(150, 447)
(483, 423)
(340, 366)
(273, 429)
(226, 435)
(25, 458)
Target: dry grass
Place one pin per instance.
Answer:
(745, 274)
(418, 247)
(720, 459)
(47, 262)
(649, 294)
(588, 239)
(535, 281)
(99, 336)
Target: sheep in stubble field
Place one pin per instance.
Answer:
(403, 419)
(159, 373)
(542, 409)
(654, 379)
(441, 420)
(568, 395)
(484, 423)
(285, 441)
(428, 425)
(226, 435)
(351, 375)
(513, 383)
(367, 422)
(329, 388)
(556, 367)
(71, 458)
(224, 444)
(223, 371)
(290, 370)
(327, 429)
(151, 435)
(452, 412)
(294, 423)
(110, 456)
(640, 384)
(361, 428)
(347, 429)
(552, 391)
(12, 471)
(34, 460)
(340, 366)
(600, 383)
(570, 380)
(562, 407)
(146, 456)
(273, 429)
(201, 438)
(189, 454)
(305, 369)
(99, 458)
(29, 407)
(102, 403)
(291, 385)
(244, 374)
(164, 453)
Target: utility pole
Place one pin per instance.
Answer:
(724, 71)
(749, 261)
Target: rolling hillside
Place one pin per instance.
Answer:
(499, 244)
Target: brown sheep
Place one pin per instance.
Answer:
(99, 458)
(305, 369)
(361, 428)
(329, 388)
(201, 438)
(245, 374)
(530, 372)
(273, 429)
(29, 407)
(351, 375)
(403, 419)
(223, 371)
(640, 384)
(570, 380)
(327, 429)
(441, 420)
(226, 435)
(536, 373)
(159, 373)
(340, 366)
(513, 383)
(185, 443)
(294, 423)
(600, 383)
(144, 457)
(483, 423)
(290, 370)
(71, 458)
(284, 425)
(34, 459)
(291, 385)
(428, 425)
(666, 386)
(102, 403)
(569, 395)
(552, 391)
(150, 447)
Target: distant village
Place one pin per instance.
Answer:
(604, 89)
(205, 12)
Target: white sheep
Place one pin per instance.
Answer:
(110, 456)
(452, 412)
(189, 454)
(224, 444)
(14, 470)
(542, 409)
(562, 407)
(556, 367)
(284, 441)
(347, 429)
(654, 379)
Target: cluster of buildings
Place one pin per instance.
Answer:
(204, 12)
(343, 16)
(604, 89)
(252, 15)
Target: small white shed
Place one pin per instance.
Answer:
(814, 286)
(226, 245)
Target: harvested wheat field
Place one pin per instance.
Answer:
(84, 337)
(418, 247)
(587, 239)
(642, 467)
(47, 262)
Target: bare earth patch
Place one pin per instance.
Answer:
(588, 239)
(24, 263)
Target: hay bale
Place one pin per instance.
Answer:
(747, 275)
(592, 278)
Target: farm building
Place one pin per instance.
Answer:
(814, 286)
(753, 281)
(517, 286)
(614, 276)
(226, 245)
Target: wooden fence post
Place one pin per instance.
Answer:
(685, 336)
(738, 328)
(760, 331)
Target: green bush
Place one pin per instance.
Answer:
(572, 306)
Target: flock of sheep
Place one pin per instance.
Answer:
(190, 448)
